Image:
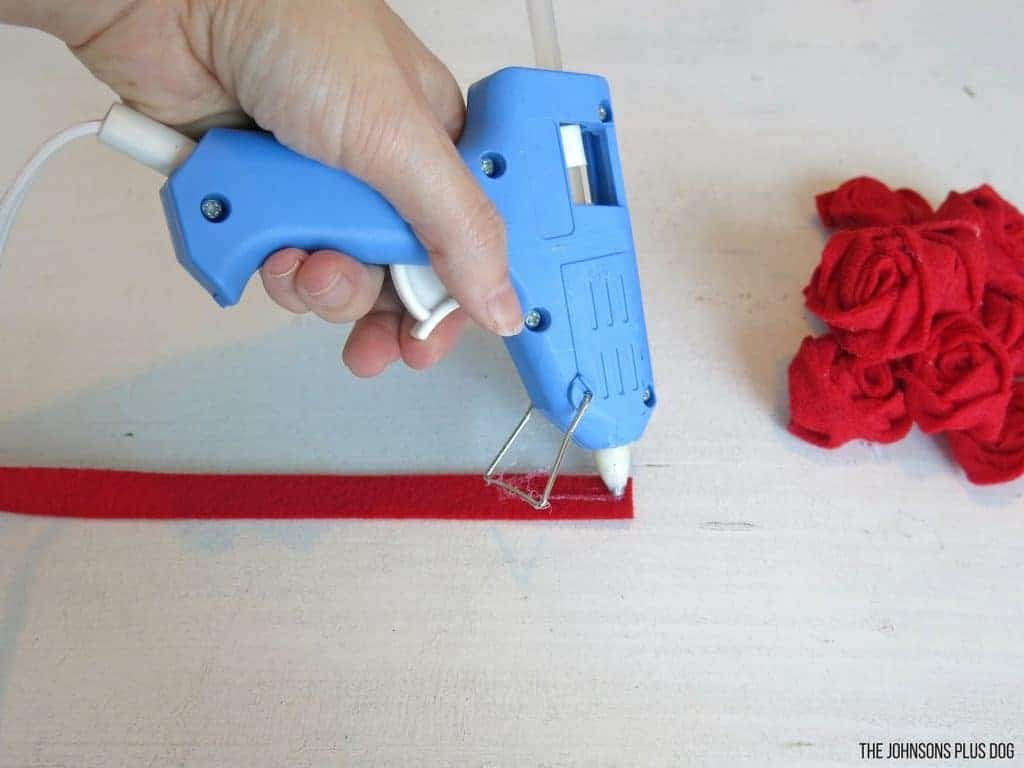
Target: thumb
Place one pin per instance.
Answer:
(400, 147)
(336, 82)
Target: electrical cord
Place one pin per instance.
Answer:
(143, 139)
(15, 196)
(163, 149)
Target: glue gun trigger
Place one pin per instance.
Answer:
(424, 296)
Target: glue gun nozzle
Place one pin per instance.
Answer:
(613, 464)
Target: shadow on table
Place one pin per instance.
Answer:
(284, 403)
(758, 264)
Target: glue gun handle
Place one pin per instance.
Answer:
(242, 195)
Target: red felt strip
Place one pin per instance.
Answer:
(116, 495)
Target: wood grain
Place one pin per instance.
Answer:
(771, 604)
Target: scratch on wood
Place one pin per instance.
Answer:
(727, 525)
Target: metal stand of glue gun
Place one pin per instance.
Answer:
(542, 145)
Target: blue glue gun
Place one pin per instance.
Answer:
(542, 145)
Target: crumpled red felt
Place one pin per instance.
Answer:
(966, 288)
(880, 288)
(1003, 314)
(932, 305)
(835, 398)
(1002, 225)
(999, 460)
(962, 380)
(867, 202)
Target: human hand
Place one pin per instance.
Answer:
(345, 82)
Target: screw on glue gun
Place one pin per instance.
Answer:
(542, 144)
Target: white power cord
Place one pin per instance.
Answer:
(11, 202)
(163, 149)
(143, 139)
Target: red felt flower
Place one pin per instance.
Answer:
(999, 460)
(970, 264)
(1002, 313)
(835, 398)
(881, 288)
(867, 202)
(961, 380)
(1002, 225)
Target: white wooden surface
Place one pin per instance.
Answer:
(771, 604)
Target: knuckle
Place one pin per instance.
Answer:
(285, 299)
(371, 128)
(345, 314)
(478, 250)
(486, 230)
(366, 286)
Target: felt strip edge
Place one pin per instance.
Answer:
(106, 494)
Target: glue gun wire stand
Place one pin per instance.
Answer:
(542, 145)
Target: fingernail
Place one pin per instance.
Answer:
(506, 314)
(335, 292)
(279, 273)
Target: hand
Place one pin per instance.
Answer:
(344, 82)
